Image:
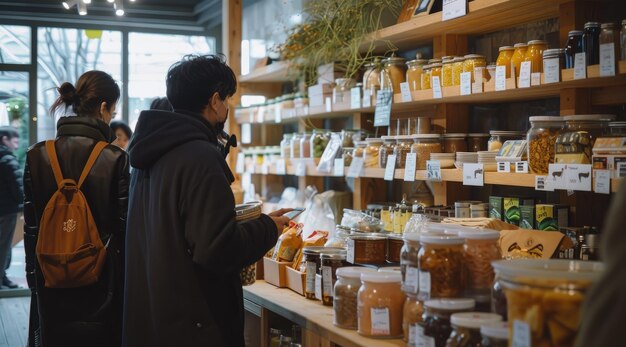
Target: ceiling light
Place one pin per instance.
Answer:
(82, 8)
(119, 7)
(110, 1)
(68, 4)
(87, 1)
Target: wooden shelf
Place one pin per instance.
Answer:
(275, 72)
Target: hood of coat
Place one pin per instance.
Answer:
(4, 151)
(90, 127)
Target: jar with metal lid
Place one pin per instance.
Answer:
(435, 70)
(574, 45)
(401, 149)
(331, 261)
(541, 140)
(285, 146)
(591, 42)
(426, 76)
(408, 263)
(435, 327)
(305, 146)
(622, 39)
(453, 143)
(359, 149)
(341, 91)
(295, 146)
(339, 238)
(495, 335)
(446, 72)
(610, 35)
(473, 61)
(466, 328)
(499, 137)
(414, 73)
(423, 145)
(480, 210)
(596, 125)
(477, 142)
(393, 73)
(617, 129)
(367, 248)
(534, 54)
(441, 269)
(412, 315)
(380, 304)
(345, 296)
(312, 262)
(462, 209)
(386, 149)
(556, 53)
(372, 151)
(371, 76)
(480, 249)
(504, 58)
(319, 141)
(518, 57)
(457, 68)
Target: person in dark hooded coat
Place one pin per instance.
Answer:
(185, 249)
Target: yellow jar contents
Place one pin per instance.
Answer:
(457, 68)
(394, 73)
(473, 61)
(435, 71)
(534, 54)
(371, 77)
(414, 73)
(518, 57)
(504, 59)
(426, 77)
(446, 72)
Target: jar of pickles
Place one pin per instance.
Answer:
(345, 296)
(401, 149)
(477, 142)
(446, 72)
(330, 262)
(285, 146)
(473, 61)
(305, 146)
(435, 327)
(319, 141)
(295, 146)
(504, 58)
(453, 143)
(435, 70)
(441, 267)
(380, 304)
(393, 73)
(500, 137)
(534, 54)
(480, 249)
(423, 146)
(408, 263)
(372, 151)
(541, 140)
(386, 149)
(414, 73)
(426, 76)
(466, 328)
(457, 68)
(412, 315)
(518, 57)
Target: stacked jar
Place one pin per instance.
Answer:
(380, 304)
(331, 261)
(423, 146)
(466, 328)
(504, 58)
(541, 142)
(345, 296)
(435, 327)
(401, 149)
(386, 149)
(441, 269)
(480, 249)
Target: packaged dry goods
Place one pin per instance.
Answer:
(380, 305)
(541, 140)
(289, 242)
(480, 249)
(515, 244)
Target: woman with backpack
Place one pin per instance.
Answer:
(76, 198)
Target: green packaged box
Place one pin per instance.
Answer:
(512, 214)
(550, 217)
(496, 207)
(528, 217)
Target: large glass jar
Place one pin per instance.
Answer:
(319, 141)
(408, 263)
(348, 136)
(441, 267)
(541, 142)
(331, 261)
(495, 335)
(595, 124)
(339, 238)
(477, 142)
(504, 58)
(401, 149)
(295, 146)
(446, 72)
(359, 149)
(371, 77)
(453, 143)
(412, 315)
(435, 70)
(380, 304)
(534, 54)
(372, 152)
(426, 75)
(386, 149)
(285, 146)
(518, 57)
(457, 68)
(556, 53)
(591, 42)
(305, 146)
(345, 296)
(608, 35)
(341, 91)
(574, 45)
(435, 327)
(311, 262)
(466, 328)
(414, 73)
(423, 146)
(480, 249)
(473, 61)
(499, 137)
(393, 73)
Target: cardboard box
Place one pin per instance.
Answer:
(511, 208)
(533, 244)
(296, 280)
(550, 217)
(496, 207)
(328, 73)
(609, 153)
(528, 217)
(275, 272)
(318, 94)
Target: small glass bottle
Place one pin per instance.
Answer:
(574, 45)
(591, 43)
(610, 35)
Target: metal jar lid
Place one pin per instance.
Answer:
(434, 61)
(394, 61)
(416, 62)
(575, 33)
(608, 26)
(477, 135)
(454, 136)
(520, 45)
(474, 56)
(506, 48)
(316, 250)
(339, 255)
(547, 119)
(554, 52)
(537, 42)
(592, 25)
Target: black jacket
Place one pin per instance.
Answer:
(91, 315)
(11, 192)
(184, 248)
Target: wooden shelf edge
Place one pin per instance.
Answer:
(275, 72)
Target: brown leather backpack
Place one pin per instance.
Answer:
(69, 249)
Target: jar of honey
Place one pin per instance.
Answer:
(426, 74)
(457, 68)
(446, 72)
(504, 59)
(473, 61)
(534, 54)
(414, 73)
(393, 73)
(435, 71)
(518, 57)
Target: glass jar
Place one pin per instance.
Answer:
(285, 145)
(457, 68)
(466, 328)
(446, 72)
(491, 72)
(393, 73)
(608, 35)
(414, 73)
(435, 70)
(380, 304)
(412, 315)
(480, 249)
(498, 137)
(441, 269)
(534, 54)
(295, 146)
(386, 149)
(347, 155)
(504, 58)
(518, 57)
(345, 296)
(574, 45)
(495, 335)
(395, 242)
(339, 238)
(426, 75)
(305, 146)
(341, 91)
(477, 142)
(480, 210)
(594, 124)
(319, 141)
(371, 77)
(462, 209)
(541, 140)
(275, 337)
(423, 145)
(372, 152)
(408, 263)
(622, 39)
(473, 61)
(331, 261)
(435, 325)
(347, 137)
(591, 43)
(453, 143)
(401, 149)
(359, 149)
(498, 298)
(556, 53)
(617, 129)
(312, 262)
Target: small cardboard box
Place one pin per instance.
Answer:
(318, 94)
(528, 217)
(512, 209)
(496, 207)
(533, 244)
(296, 280)
(275, 272)
(550, 217)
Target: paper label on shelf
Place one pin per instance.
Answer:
(521, 167)
(409, 167)
(524, 74)
(541, 183)
(406, 91)
(327, 280)
(311, 269)
(355, 98)
(390, 169)
(473, 174)
(535, 79)
(382, 114)
(551, 70)
(500, 78)
(411, 335)
(338, 168)
(277, 115)
(436, 84)
(300, 168)
(240, 167)
(557, 177)
(355, 167)
(521, 334)
(246, 133)
(433, 170)
(602, 182)
(477, 85)
(423, 282)
(281, 167)
(367, 98)
(329, 104)
(260, 115)
(253, 166)
(318, 287)
(607, 59)
(350, 251)
(411, 280)
(454, 9)
(466, 83)
(504, 166)
(580, 66)
(417, 335)
(380, 321)
(265, 169)
(579, 177)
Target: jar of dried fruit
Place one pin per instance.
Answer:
(480, 249)
(541, 142)
(441, 267)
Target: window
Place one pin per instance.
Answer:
(14, 107)
(14, 44)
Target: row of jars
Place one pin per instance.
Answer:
(588, 41)
(312, 145)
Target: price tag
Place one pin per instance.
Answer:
(260, 114)
(535, 79)
(390, 169)
(436, 87)
(411, 284)
(281, 167)
(338, 168)
(355, 98)
(454, 9)
(246, 182)
(265, 169)
(579, 177)
(557, 178)
(277, 115)
(473, 174)
(409, 167)
(329, 104)
(253, 166)
(327, 280)
(406, 91)
(524, 74)
(300, 168)
(318, 287)
(521, 167)
(551, 71)
(311, 268)
(500, 78)
(240, 167)
(607, 59)
(580, 66)
(541, 183)
(382, 114)
(355, 168)
(380, 321)
(466, 83)
(504, 166)
(602, 181)
(367, 98)
(246, 133)
(424, 283)
(477, 85)
(521, 334)
(433, 170)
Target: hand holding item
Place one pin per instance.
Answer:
(280, 220)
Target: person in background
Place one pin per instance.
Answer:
(161, 104)
(121, 133)
(185, 250)
(88, 315)
(11, 197)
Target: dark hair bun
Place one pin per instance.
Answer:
(67, 93)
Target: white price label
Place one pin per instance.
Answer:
(350, 251)
(329, 104)
(535, 78)
(521, 167)
(355, 98)
(542, 183)
(278, 115)
(409, 167)
(551, 70)
(557, 177)
(311, 270)
(504, 166)
(424, 283)
(500, 78)
(406, 92)
(246, 133)
(380, 321)
(579, 177)
(418, 334)
(580, 66)
(602, 181)
(241, 160)
(281, 167)
(253, 166)
(367, 98)
(338, 168)
(265, 169)
(477, 85)
(390, 168)
(411, 280)
(355, 168)
(318, 287)
(473, 174)
(436, 84)
(607, 59)
(466, 83)
(453, 9)
(260, 115)
(433, 170)
(300, 168)
(521, 334)
(327, 280)
(524, 74)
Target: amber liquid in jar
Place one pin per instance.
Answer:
(385, 301)
(504, 59)
(534, 54)
(414, 73)
(394, 73)
(518, 57)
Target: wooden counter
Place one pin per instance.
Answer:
(315, 319)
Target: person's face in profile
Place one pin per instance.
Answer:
(122, 139)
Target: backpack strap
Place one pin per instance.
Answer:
(92, 160)
(54, 162)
